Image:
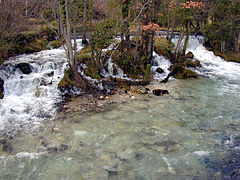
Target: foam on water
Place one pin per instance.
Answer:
(30, 98)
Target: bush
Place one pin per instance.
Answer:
(48, 14)
(163, 47)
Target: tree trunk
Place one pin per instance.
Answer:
(168, 26)
(237, 41)
(74, 28)
(186, 40)
(81, 81)
(84, 40)
(178, 47)
(137, 44)
(60, 25)
(173, 27)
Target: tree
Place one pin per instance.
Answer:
(71, 55)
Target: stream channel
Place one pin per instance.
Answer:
(192, 133)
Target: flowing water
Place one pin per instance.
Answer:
(192, 133)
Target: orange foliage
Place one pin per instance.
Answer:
(151, 27)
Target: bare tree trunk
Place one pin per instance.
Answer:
(137, 44)
(186, 40)
(68, 36)
(168, 27)
(178, 47)
(173, 27)
(84, 40)
(81, 81)
(237, 41)
(60, 25)
(74, 28)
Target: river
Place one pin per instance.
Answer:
(192, 133)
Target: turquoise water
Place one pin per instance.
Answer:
(177, 136)
(192, 133)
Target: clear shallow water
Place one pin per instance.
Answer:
(192, 133)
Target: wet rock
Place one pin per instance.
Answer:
(1, 88)
(24, 67)
(51, 74)
(160, 92)
(5, 145)
(125, 155)
(111, 168)
(189, 55)
(61, 148)
(159, 70)
(43, 82)
(192, 64)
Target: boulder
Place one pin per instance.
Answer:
(160, 92)
(189, 55)
(192, 64)
(180, 72)
(24, 67)
(159, 70)
(1, 88)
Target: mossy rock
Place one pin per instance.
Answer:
(92, 72)
(180, 72)
(56, 43)
(84, 58)
(67, 80)
(189, 55)
(231, 56)
(192, 64)
(85, 50)
(164, 47)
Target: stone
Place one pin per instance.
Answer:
(112, 167)
(1, 88)
(5, 145)
(189, 55)
(24, 67)
(51, 74)
(160, 92)
(132, 97)
(125, 155)
(159, 70)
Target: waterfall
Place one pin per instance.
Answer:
(30, 98)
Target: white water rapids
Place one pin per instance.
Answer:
(30, 99)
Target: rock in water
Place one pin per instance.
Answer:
(159, 70)
(1, 88)
(160, 92)
(189, 55)
(24, 67)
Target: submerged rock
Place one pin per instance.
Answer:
(159, 70)
(5, 145)
(24, 67)
(1, 88)
(160, 92)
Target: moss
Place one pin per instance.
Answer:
(163, 47)
(84, 58)
(92, 72)
(231, 56)
(85, 50)
(67, 80)
(192, 64)
(148, 73)
(180, 72)
(56, 43)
